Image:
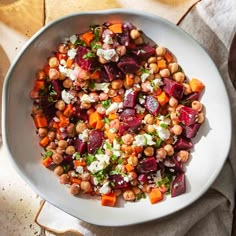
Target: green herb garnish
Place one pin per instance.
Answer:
(47, 154)
(106, 103)
(89, 55)
(89, 159)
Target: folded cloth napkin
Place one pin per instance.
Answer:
(213, 24)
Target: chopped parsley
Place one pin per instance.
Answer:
(47, 154)
(106, 120)
(106, 103)
(89, 159)
(88, 55)
(95, 45)
(66, 168)
(79, 42)
(163, 125)
(144, 70)
(140, 196)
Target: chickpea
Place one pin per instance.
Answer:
(103, 96)
(51, 146)
(100, 109)
(70, 129)
(60, 150)
(67, 83)
(74, 189)
(127, 149)
(134, 34)
(137, 79)
(149, 119)
(152, 60)
(85, 186)
(102, 60)
(129, 195)
(132, 175)
(149, 129)
(61, 76)
(134, 182)
(133, 160)
(121, 91)
(136, 190)
(85, 176)
(173, 67)
(179, 77)
(169, 149)
(149, 151)
(196, 105)
(177, 129)
(164, 72)
(187, 89)
(57, 158)
(154, 67)
(94, 96)
(60, 105)
(85, 105)
(42, 132)
(63, 48)
(51, 135)
(64, 179)
(147, 188)
(160, 51)
(121, 50)
(112, 93)
(138, 41)
(173, 102)
(201, 118)
(41, 75)
(117, 84)
(80, 127)
(62, 144)
(53, 74)
(53, 62)
(161, 153)
(70, 150)
(127, 139)
(183, 155)
(58, 170)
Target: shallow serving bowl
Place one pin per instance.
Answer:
(211, 145)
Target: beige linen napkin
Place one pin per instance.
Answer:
(212, 24)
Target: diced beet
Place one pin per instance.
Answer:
(82, 114)
(187, 115)
(95, 141)
(144, 51)
(81, 147)
(68, 162)
(130, 98)
(152, 105)
(128, 65)
(128, 26)
(147, 165)
(172, 88)
(183, 144)
(127, 113)
(103, 76)
(57, 88)
(191, 97)
(178, 185)
(118, 181)
(131, 124)
(123, 128)
(178, 166)
(107, 32)
(87, 64)
(124, 39)
(191, 131)
(142, 178)
(113, 71)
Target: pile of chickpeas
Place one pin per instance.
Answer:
(60, 145)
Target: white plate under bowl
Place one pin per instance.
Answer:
(211, 145)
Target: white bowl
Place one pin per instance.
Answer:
(211, 145)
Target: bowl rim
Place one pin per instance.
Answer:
(104, 12)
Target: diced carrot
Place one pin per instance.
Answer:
(68, 110)
(116, 28)
(108, 199)
(93, 118)
(129, 80)
(74, 180)
(137, 149)
(64, 121)
(47, 161)
(100, 124)
(69, 62)
(95, 75)
(40, 121)
(61, 56)
(168, 56)
(161, 64)
(112, 116)
(55, 125)
(129, 167)
(44, 141)
(155, 195)
(140, 116)
(196, 85)
(163, 98)
(111, 136)
(39, 84)
(117, 98)
(87, 37)
(79, 163)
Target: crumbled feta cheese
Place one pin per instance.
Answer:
(84, 135)
(107, 54)
(79, 169)
(101, 163)
(149, 87)
(63, 62)
(105, 189)
(65, 71)
(73, 38)
(72, 53)
(141, 100)
(143, 139)
(157, 82)
(144, 76)
(67, 97)
(116, 145)
(108, 39)
(163, 133)
(73, 174)
(112, 108)
(86, 98)
(139, 109)
(164, 120)
(102, 86)
(126, 178)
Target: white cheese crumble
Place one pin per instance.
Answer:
(102, 86)
(73, 38)
(87, 99)
(107, 54)
(144, 76)
(157, 82)
(72, 53)
(84, 135)
(139, 109)
(112, 108)
(108, 39)
(149, 87)
(105, 189)
(101, 163)
(164, 120)
(143, 139)
(163, 133)
(67, 97)
(79, 169)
